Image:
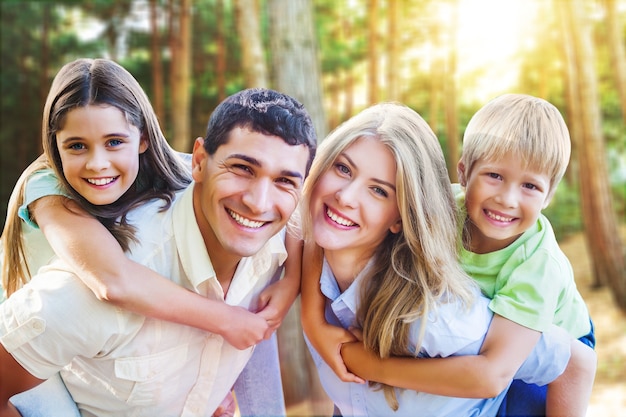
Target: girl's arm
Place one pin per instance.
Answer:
(276, 300)
(90, 250)
(325, 338)
(485, 375)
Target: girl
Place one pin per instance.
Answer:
(389, 237)
(104, 145)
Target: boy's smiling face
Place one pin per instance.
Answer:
(503, 199)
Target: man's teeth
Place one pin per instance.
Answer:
(498, 217)
(245, 222)
(339, 220)
(100, 181)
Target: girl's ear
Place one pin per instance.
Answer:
(460, 171)
(143, 144)
(396, 227)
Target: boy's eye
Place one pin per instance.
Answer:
(494, 175)
(530, 186)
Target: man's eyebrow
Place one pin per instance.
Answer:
(257, 163)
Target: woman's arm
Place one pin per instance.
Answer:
(569, 394)
(485, 375)
(90, 250)
(325, 338)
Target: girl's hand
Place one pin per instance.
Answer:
(276, 300)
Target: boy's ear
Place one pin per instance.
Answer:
(197, 159)
(460, 172)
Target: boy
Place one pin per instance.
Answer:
(515, 151)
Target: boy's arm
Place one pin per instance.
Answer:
(90, 250)
(485, 375)
(13, 379)
(276, 300)
(569, 394)
(325, 338)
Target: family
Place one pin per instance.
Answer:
(142, 281)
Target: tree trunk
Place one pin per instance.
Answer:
(249, 30)
(393, 41)
(616, 48)
(372, 51)
(601, 226)
(158, 101)
(450, 98)
(220, 63)
(297, 73)
(180, 48)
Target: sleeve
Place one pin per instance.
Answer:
(548, 359)
(530, 292)
(39, 184)
(53, 319)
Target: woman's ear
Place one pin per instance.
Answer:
(396, 227)
(460, 172)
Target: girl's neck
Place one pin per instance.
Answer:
(345, 266)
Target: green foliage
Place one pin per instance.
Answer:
(564, 211)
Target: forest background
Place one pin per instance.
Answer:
(443, 58)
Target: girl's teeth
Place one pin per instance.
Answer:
(100, 181)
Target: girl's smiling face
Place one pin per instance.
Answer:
(99, 152)
(354, 204)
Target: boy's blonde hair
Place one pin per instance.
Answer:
(529, 127)
(418, 268)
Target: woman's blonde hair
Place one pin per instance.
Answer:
(81, 83)
(528, 127)
(415, 269)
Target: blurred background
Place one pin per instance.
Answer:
(443, 58)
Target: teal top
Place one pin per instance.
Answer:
(531, 281)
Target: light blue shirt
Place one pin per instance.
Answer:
(452, 330)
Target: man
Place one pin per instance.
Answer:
(222, 238)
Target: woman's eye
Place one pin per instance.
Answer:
(342, 168)
(380, 191)
(115, 142)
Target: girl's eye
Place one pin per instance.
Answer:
(76, 146)
(115, 142)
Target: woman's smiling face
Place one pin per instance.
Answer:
(354, 204)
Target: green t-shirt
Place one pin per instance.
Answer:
(531, 281)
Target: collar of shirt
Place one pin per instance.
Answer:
(343, 305)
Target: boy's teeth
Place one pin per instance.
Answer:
(498, 217)
(245, 222)
(339, 220)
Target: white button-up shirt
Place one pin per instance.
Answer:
(119, 363)
(450, 331)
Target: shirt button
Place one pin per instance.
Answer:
(37, 325)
